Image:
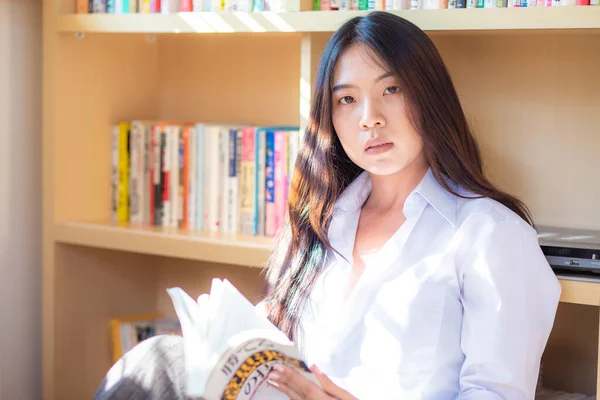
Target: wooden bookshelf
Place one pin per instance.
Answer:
(585, 291)
(250, 251)
(500, 19)
(532, 101)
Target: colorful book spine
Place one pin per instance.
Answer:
(123, 187)
(232, 183)
(270, 219)
(186, 6)
(280, 178)
(247, 181)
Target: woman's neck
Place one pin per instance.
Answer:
(389, 192)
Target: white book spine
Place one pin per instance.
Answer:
(224, 181)
(174, 177)
(198, 5)
(191, 183)
(200, 183)
(212, 173)
(417, 4)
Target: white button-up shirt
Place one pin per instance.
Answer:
(458, 303)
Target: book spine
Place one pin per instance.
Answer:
(174, 173)
(200, 182)
(135, 174)
(212, 172)
(238, 173)
(232, 182)
(99, 6)
(165, 176)
(183, 176)
(151, 158)
(147, 178)
(270, 185)
(115, 171)
(247, 181)
(186, 6)
(224, 178)
(280, 177)
(190, 177)
(158, 175)
(260, 182)
(145, 6)
(123, 205)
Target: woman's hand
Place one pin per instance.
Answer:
(297, 387)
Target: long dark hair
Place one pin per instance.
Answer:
(323, 170)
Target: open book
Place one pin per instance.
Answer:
(230, 347)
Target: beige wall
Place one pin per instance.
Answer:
(20, 199)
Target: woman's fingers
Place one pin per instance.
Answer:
(282, 387)
(296, 385)
(329, 387)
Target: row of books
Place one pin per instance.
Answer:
(344, 5)
(226, 178)
(174, 6)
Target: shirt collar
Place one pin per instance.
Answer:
(429, 190)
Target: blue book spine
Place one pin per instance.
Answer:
(270, 168)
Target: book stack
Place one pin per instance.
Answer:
(212, 177)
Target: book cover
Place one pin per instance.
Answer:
(230, 346)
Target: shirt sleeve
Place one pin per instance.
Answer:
(510, 296)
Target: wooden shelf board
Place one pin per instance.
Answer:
(231, 249)
(218, 248)
(580, 290)
(544, 18)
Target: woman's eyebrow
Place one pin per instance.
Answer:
(349, 86)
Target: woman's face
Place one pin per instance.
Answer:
(370, 115)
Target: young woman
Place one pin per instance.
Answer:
(402, 272)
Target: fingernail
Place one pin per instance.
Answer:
(270, 382)
(274, 375)
(278, 367)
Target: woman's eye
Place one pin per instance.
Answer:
(392, 90)
(347, 100)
